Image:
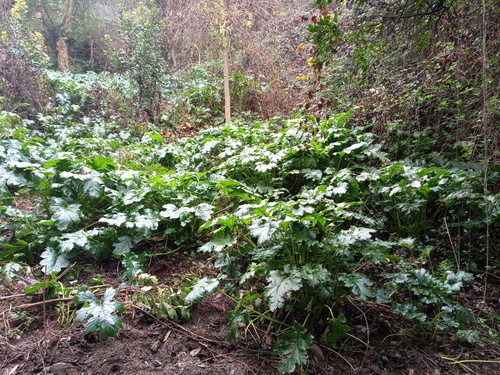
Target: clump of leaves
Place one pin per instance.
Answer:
(292, 346)
(102, 315)
(430, 301)
(160, 300)
(297, 212)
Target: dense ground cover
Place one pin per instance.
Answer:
(295, 224)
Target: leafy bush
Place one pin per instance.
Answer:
(196, 100)
(101, 315)
(140, 57)
(299, 212)
(23, 83)
(418, 85)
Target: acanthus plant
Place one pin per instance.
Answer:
(89, 204)
(297, 211)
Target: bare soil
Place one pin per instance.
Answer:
(148, 345)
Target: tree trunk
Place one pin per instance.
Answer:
(227, 92)
(62, 54)
(226, 45)
(57, 33)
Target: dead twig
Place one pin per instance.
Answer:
(13, 296)
(43, 303)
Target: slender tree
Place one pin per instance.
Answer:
(226, 48)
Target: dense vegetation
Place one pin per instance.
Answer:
(380, 187)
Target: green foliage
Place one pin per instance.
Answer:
(100, 315)
(326, 36)
(140, 56)
(296, 213)
(196, 100)
(160, 300)
(292, 346)
(201, 288)
(23, 82)
(430, 300)
(338, 328)
(409, 76)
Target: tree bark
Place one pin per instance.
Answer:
(62, 54)
(226, 45)
(57, 33)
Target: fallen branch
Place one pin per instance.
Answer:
(55, 300)
(13, 296)
(41, 303)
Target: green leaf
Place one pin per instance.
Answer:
(42, 285)
(358, 283)
(234, 324)
(93, 186)
(101, 315)
(409, 311)
(354, 234)
(101, 164)
(281, 285)
(133, 264)
(263, 231)
(9, 270)
(292, 346)
(185, 214)
(87, 296)
(70, 240)
(53, 260)
(340, 189)
(200, 289)
(315, 275)
(147, 221)
(454, 281)
(338, 329)
(204, 211)
(319, 278)
(218, 243)
(65, 214)
(60, 165)
(117, 219)
(171, 211)
(353, 147)
(468, 335)
(124, 245)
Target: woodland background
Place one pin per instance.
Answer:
(325, 158)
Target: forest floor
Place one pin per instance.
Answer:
(147, 345)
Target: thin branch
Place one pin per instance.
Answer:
(416, 15)
(43, 303)
(485, 141)
(45, 16)
(67, 16)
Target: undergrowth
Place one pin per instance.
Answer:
(298, 214)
